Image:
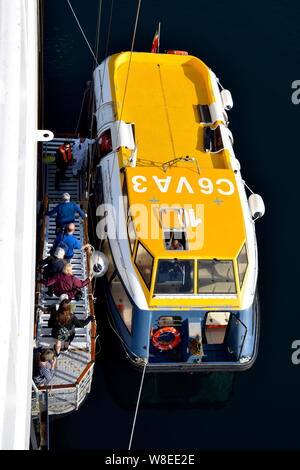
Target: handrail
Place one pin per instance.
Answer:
(56, 387)
(80, 383)
(66, 386)
(83, 374)
(38, 283)
(91, 297)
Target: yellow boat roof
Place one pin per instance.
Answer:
(213, 219)
(163, 92)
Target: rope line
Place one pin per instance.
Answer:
(166, 111)
(137, 406)
(79, 117)
(127, 76)
(131, 51)
(109, 28)
(247, 187)
(87, 42)
(98, 29)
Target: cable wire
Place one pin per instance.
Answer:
(127, 76)
(137, 406)
(87, 42)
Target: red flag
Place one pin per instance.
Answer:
(155, 43)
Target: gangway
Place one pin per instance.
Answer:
(74, 369)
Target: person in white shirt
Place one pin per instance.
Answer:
(79, 151)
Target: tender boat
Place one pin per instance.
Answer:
(174, 219)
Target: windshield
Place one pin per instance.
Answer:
(174, 276)
(216, 277)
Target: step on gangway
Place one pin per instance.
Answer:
(74, 369)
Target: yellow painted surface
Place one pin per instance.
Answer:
(162, 97)
(221, 232)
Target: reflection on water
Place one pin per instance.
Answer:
(168, 390)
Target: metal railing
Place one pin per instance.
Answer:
(68, 396)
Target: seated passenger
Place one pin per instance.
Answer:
(65, 212)
(174, 244)
(66, 283)
(43, 369)
(64, 325)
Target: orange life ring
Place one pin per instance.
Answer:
(168, 345)
(178, 52)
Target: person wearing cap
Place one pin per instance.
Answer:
(68, 240)
(65, 212)
(63, 159)
(80, 151)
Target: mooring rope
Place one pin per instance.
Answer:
(137, 406)
(77, 21)
(109, 28)
(247, 187)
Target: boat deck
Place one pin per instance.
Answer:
(74, 367)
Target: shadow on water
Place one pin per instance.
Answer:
(168, 390)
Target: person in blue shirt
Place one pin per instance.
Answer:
(65, 212)
(68, 242)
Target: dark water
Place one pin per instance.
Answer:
(254, 47)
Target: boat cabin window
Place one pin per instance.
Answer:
(105, 248)
(98, 185)
(104, 144)
(125, 196)
(144, 263)
(216, 277)
(175, 240)
(174, 276)
(213, 141)
(242, 262)
(174, 321)
(204, 112)
(131, 233)
(121, 301)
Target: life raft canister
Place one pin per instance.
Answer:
(178, 52)
(166, 345)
